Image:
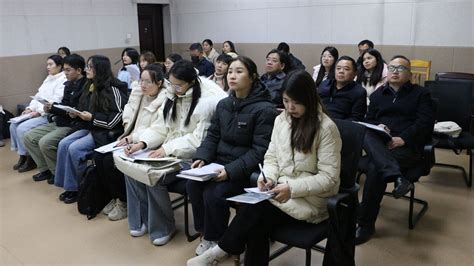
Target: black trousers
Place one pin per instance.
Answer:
(251, 228)
(210, 208)
(384, 166)
(112, 179)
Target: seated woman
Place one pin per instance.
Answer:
(64, 51)
(228, 47)
(130, 71)
(169, 61)
(276, 67)
(209, 52)
(373, 72)
(146, 58)
(237, 138)
(327, 65)
(301, 166)
(182, 124)
(52, 90)
(101, 105)
(219, 76)
(139, 113)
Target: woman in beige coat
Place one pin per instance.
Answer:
(302, 166)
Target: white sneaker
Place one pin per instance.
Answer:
(205, 259)
(163, 240)
(109, 207)
(140, 232)
(119, 212)
(204, 245)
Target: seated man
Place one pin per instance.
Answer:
(295, 62)
(406, 111)
(276, 66)
(343, 97)
(205, 67)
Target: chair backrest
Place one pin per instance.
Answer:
(454, 76)
(453, 101)
(352, 136)
(420, 70)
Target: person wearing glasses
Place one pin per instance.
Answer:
(405, 110)
(182, 124)
(100, 110)
(277, 66)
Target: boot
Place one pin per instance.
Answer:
(20, 162)
(28, 165)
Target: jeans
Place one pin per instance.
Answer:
(18, 131)
(71, 163)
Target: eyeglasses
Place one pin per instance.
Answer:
(177, 87)
(398, 69)
(145, 82)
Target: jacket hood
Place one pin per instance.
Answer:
(258, 93)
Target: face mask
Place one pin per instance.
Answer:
(195, 59)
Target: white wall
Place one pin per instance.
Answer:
(386, 22)
(35, 27)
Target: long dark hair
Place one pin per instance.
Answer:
(103, 79)
(251, 67)
(299, 86)
(232, 46)
(376, 74)
(133, 54)
(184, 70)
(155, 70)
(333, 51)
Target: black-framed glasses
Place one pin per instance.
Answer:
(398, 69)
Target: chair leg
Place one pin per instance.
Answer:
(467, 179)
(190, 237)
(469, 182)
(278, 252)
(413, 220)
(308, 257)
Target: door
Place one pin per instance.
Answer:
(150, 29)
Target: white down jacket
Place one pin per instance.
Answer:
(52, 90)
(312, 177)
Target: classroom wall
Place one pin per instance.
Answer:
(438, 30)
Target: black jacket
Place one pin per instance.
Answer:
(349, 102)
(408, 114)
(240, 133)
(296, 64)
(104, 121)
(274, 83)
(71, 96)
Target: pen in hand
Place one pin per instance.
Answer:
(263, 175)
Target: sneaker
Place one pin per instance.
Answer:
(109, 207)
(2, 143)
(140, 232)
(163, 240)
(207, 258)
(119, 212)
(204, 245)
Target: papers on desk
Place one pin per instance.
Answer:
(142, 156)
(66, 108)
(109, 147)
(21, 118)
(40, 99)
(252, 196)
(204, 173)
(380, 130)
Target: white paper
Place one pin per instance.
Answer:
(109, 147)
(134, 72)
(251, 198)
(209, 169)
(20, 118)
(66, 108)
(197, 178)
(257, 190)
(40, 99)
(375, 127)
(142, 155)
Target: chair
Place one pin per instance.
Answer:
(339, 228)
(414, 174)
(454, 104)
(420, 70)
(183, 200)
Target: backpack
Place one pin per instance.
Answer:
(91, 198)
(448, 128)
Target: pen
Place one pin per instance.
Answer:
(263, 175)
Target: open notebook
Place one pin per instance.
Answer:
(204, 173)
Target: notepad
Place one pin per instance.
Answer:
(380, 130)
(21, 118)
(109, 147)
(204, 173)
(251, 197)
(142, 156)
(66, 108)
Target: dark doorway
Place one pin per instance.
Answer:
(150, 28)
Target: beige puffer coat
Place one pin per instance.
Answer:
(312, 177)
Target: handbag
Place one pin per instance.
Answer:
(448, 128)
(148, 172)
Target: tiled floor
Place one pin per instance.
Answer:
(36, 228)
